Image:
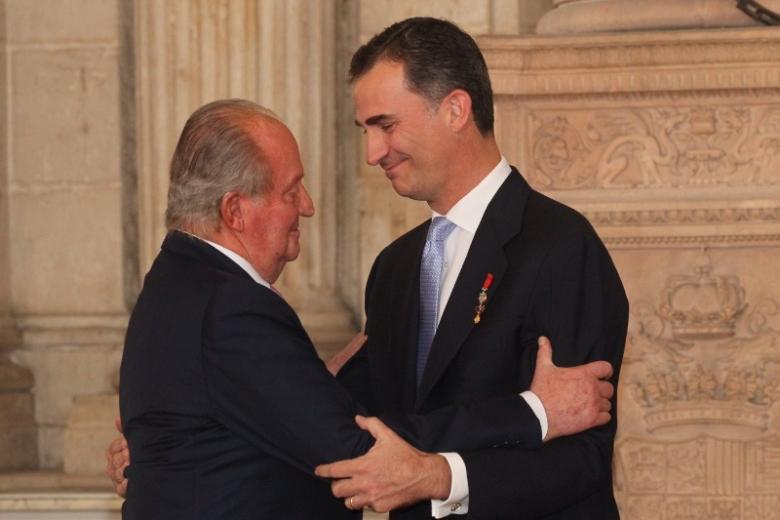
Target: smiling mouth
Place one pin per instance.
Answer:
(390, 170)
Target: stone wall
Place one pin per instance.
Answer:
(670, 144)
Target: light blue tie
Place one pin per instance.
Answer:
(431, 268)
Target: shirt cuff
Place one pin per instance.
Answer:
(458, 501)
(537, 408)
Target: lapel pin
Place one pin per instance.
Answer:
(482, 298)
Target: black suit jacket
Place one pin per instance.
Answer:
(228, 409)
(553, 277)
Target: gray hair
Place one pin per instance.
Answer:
(216, 154)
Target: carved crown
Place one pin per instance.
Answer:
(697, 369)
(703, 305)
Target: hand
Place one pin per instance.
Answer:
(392, 474)
(341, 357)
(575, 399)
(117, 459)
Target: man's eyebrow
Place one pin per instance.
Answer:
(374, 120)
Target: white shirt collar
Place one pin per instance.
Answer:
(240, 260)
(467, 213)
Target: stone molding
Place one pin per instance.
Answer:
(698, 216)
(579, 16)
(688, 241)
(59, 501)
(56, 332)
(681, 61)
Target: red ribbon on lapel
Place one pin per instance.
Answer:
(482, 298)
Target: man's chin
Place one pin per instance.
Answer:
(293, 250)
(402, 189)
(406, 192)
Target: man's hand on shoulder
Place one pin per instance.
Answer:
(575, 399)
(392, 474)
(117, 459)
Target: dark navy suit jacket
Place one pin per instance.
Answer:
(227, 408)
(552, 276)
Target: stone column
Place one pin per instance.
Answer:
(584, 16)
(18, 435)
(280, 54)
(62, 252)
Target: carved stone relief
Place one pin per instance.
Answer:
(658, 147)
(703, 366)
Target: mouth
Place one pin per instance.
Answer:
(391, 169)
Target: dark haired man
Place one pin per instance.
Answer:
(516, 265)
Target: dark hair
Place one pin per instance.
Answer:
(438, 57)
(216, 153)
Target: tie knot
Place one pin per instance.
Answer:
(440, 229)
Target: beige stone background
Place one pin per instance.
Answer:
(658, 119)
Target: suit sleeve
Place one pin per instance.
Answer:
(267, 384)
(579, 302)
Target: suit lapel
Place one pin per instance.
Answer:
(502, 221)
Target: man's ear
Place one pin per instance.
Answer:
(230, 211)
(458, 106)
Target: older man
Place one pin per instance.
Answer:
(225, 405)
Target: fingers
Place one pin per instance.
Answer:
(354, 503)
(340, 469)
(599, 369)
(347, 488)
(544, 354)
(605, 389)
(109, 471)
(373, 426)
(121, 489)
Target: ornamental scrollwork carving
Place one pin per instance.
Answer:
(662, 147)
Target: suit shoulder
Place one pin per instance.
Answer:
(554, 218)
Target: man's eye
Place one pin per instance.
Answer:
(387, 127)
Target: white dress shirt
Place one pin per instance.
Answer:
(466, 214)
(242, 262)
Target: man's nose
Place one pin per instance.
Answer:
(306, 205)
(376, 148)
